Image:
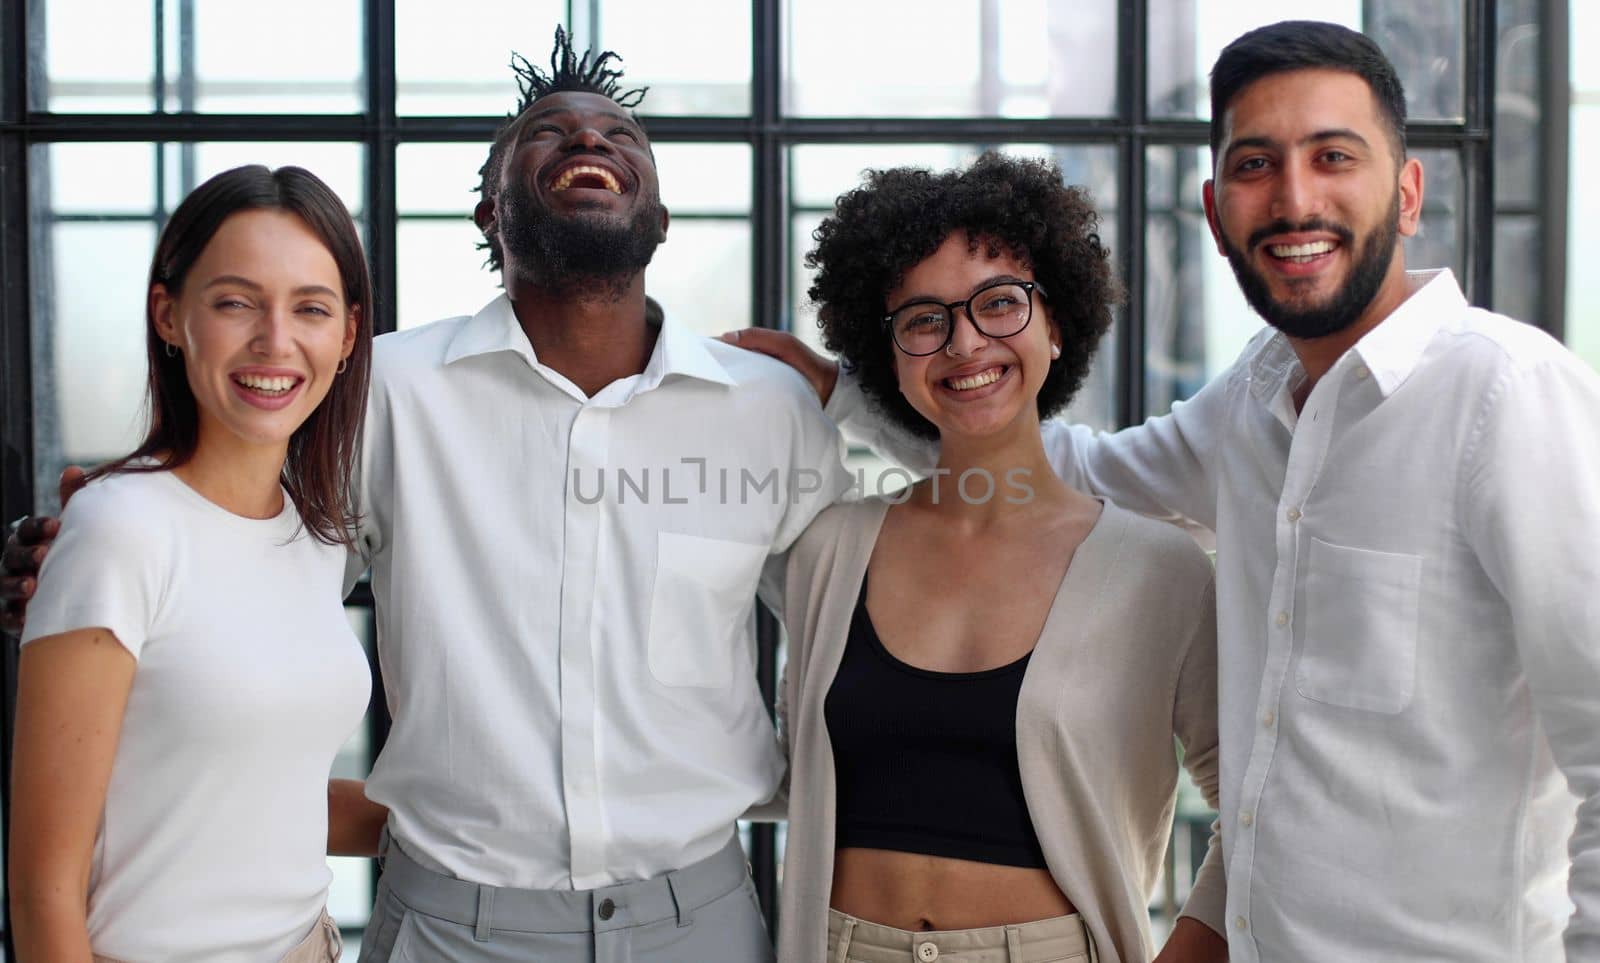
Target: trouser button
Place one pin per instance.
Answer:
(606, 910)
(927, 952)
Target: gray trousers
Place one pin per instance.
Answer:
(704, 913)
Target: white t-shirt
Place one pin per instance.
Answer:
(213, 839)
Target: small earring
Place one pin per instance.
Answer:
(172, 350)
(343, 364)
(1055, 351)
(950, 349)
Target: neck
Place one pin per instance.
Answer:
(240, 477)
(592, 335)
(1013, 459)
(1318, 355)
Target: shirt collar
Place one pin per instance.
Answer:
(1390, 350)
(678, 350)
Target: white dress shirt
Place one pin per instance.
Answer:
(1408, 597)
(565, 588)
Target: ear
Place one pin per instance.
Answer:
(1410, 187)
(666, 217)
(352, 324)
(162, 306)
(483, 216)
(1208, 198)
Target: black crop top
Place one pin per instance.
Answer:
(926, 762)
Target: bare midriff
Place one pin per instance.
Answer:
(912, 891)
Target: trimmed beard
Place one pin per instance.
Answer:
(584, 250)
(1346, 304)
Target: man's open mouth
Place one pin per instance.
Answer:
(587, 176)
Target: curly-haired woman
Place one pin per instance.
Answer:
(986, 670)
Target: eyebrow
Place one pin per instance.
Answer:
(996, 279)
(1316, 137)
(244, 282)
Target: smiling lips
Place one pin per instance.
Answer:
(988, 376)
(1301, 253)
(586, 176)
(268, 392)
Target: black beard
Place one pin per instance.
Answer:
(1347, 304)
(577, 252)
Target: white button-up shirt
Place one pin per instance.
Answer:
(1408, 603)
(565, 589)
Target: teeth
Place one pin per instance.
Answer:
(1300, 250)
(271, 386)
(572, 173)
(974, 381)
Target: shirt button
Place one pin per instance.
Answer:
(606, 909)
(927, 952)
(1362, 372)
(1239, 923)
(1282, 619)
(1245, 819)
(1294, 514)
(1268, 718)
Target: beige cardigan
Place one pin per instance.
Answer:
(1126, 660)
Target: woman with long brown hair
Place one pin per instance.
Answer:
(187, 672)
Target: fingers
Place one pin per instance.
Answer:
(34, 530)
(779, 344)
(71, 480)
(21, 558)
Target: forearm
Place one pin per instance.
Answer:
(354, 821)
(49, 924)
(1193, 942)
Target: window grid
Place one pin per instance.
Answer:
(769, 133)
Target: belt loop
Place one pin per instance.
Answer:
(482, 929)
(1013, 944)
(679, 900)
(847, 929)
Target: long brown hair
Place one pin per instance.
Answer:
(322, 451)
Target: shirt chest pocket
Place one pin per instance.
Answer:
(698, 610)
(1361, 612)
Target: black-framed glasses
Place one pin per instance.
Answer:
(998, 310)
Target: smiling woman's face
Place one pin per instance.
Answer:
(977, 385)
(262, 323)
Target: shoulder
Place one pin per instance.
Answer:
(1166, 554)
(760, 376)
(834, 527)
(123, 505)
(1499, 344)
(414, 348)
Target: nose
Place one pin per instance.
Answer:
(273, 336)
(1295, 197)
(587, 137)
(965, 338)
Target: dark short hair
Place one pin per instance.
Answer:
(590, 73)
(1304, 45)
(322, 451)
(881, 230)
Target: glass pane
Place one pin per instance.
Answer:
(451, 58)
(696, 64)
(704, 178)
(1196, 319)
(1583, 199)
(440, 273)
(951, 58)
(701, 275)
(101, 57)
(819, 174)
(1517, 108)
(1422, 37)
(93, 242)
(1517, 262)
(350, 894)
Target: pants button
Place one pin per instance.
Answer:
(606, 910)
(927, 952)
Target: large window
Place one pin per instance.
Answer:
(762, 112)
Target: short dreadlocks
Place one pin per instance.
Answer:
(590, 73)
